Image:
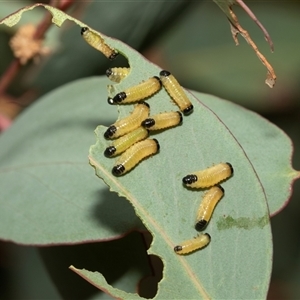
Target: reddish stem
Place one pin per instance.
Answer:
(9, 75)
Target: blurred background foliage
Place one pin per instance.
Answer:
(192, 39)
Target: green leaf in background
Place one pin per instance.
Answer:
(49, 194)
(211, 63)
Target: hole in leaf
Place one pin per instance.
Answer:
(123, 262)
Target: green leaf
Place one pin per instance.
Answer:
(49, 194)
(167, 209)
(240, 221)
(268, 148)
(83, 113)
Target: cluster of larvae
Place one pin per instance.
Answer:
(131, 134)
(208, 178)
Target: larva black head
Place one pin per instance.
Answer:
(177, 248)
(108, 72)
(119, 97)
(188, 110)
(230, 166)
(110, 131)
(164, 73)
(200, 225)
(157, 144)
(148, 123)
(83, 30)
(113, 55)
(189, 179)
(180, 116)
(110, 101)
(109, 151)
(118, 170)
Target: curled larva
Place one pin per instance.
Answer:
(176, 92)
(208, 177)
(138, 92)
(96, 41)
(124, 142)
(207, 206)
(163, 120)
(199, 242)
(117, 74)
(133, 121)
(132, 156)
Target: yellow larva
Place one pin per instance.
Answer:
(208, 177)
(125, 141)
(138, 92)
(96, 41)
(176, 92)
(132, 156)
(199, 242)
(123, 126)
(207, 206)
(117, 74)
(163, 120)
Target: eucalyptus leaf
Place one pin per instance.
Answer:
(265, 145)
(168, 209)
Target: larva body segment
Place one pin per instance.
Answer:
(208, 177)
(117, 74)
(96, 41)
(163, 120)
(138, 92)
(132, 156)
(199, 242)
(124, 142)
(176, 92)
(207, 206)
(133, 121)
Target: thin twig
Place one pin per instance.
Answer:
(254, 18)
(9, 75)
(237, 28)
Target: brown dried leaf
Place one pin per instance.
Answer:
(236, 29)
